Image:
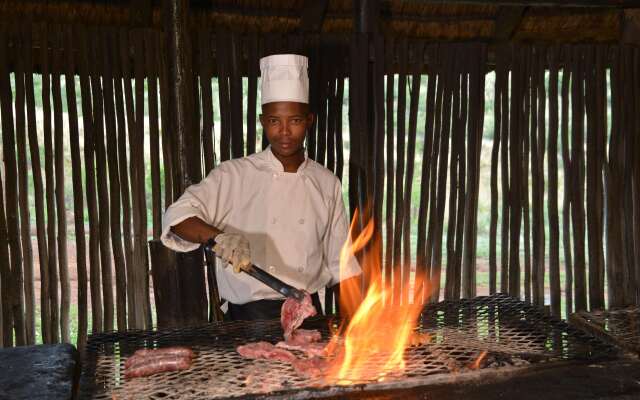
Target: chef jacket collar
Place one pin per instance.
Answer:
(277, 165)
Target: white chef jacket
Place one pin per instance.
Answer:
(295, 223)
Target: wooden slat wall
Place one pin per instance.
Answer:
(112, 69)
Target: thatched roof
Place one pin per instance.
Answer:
(431, 20)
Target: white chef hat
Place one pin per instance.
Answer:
(284, 78)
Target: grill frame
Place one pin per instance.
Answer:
(620, 327)
(518, 337)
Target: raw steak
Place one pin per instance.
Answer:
(310, 367)
(294, 312)
(304, 336)
(265, 350)
(310, 349)
(304, 340)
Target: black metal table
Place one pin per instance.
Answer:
(38, 372)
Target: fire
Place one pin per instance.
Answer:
(373, 343)
(477, 364)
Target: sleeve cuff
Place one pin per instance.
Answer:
(175, 242)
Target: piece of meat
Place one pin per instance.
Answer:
(265, 350)
(304, 336)
(294, 312)
(310, 367)
(310, 349)
(255, 350)
(154, 365)
(142, 354)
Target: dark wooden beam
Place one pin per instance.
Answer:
(176, 40)
(630, 26)
(542, 3)
(313, 15)
(366, 15)
(507, 22)
(141, 12)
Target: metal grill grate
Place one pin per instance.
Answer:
(620, 327)
(513, 334)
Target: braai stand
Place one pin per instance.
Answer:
(482, 348)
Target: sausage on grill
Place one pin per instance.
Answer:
(153, 365)
(142, 354)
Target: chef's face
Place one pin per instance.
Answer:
(285, 123)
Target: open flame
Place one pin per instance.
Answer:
(371, 346)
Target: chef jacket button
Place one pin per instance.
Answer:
(275, 176)
(300, 269)
(301, 221)
(271, 268)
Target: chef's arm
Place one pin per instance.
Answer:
(231, 247)
(195, 230)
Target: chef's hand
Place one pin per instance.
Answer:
(234, 249)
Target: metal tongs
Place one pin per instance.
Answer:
(264, 277)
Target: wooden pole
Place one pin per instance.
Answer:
(505, 57)
(495, 153)
(50, 184)
(422, 267)
(536, 159)
(378, 127)
(124, 102)
(206, 76)
(400, 162)
(252, 88)
(593, 174)
(65, 284)
(390, 167)
(107, 38)
(515, 161)
(38, 191)
(539, 249)
(439, 69)
(25, 218)
(154, 131)
(188, 170)
(416, 66)
(566, 161)
(101, 178)
(175, 16)
(449, 54)
(476, 121)
(90, 183)
(78, 206)
(7, 138)
(457, 163)
(552, 167)
(13, 230)
(525, 131)
(235, 92)
(138, 196)
(577, 178)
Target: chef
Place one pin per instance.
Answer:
(277, 209)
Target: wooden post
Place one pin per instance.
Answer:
(25, 225)
(65, 285)
(177, 303)
(179, 74)
(78, 204)
(552, 163)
